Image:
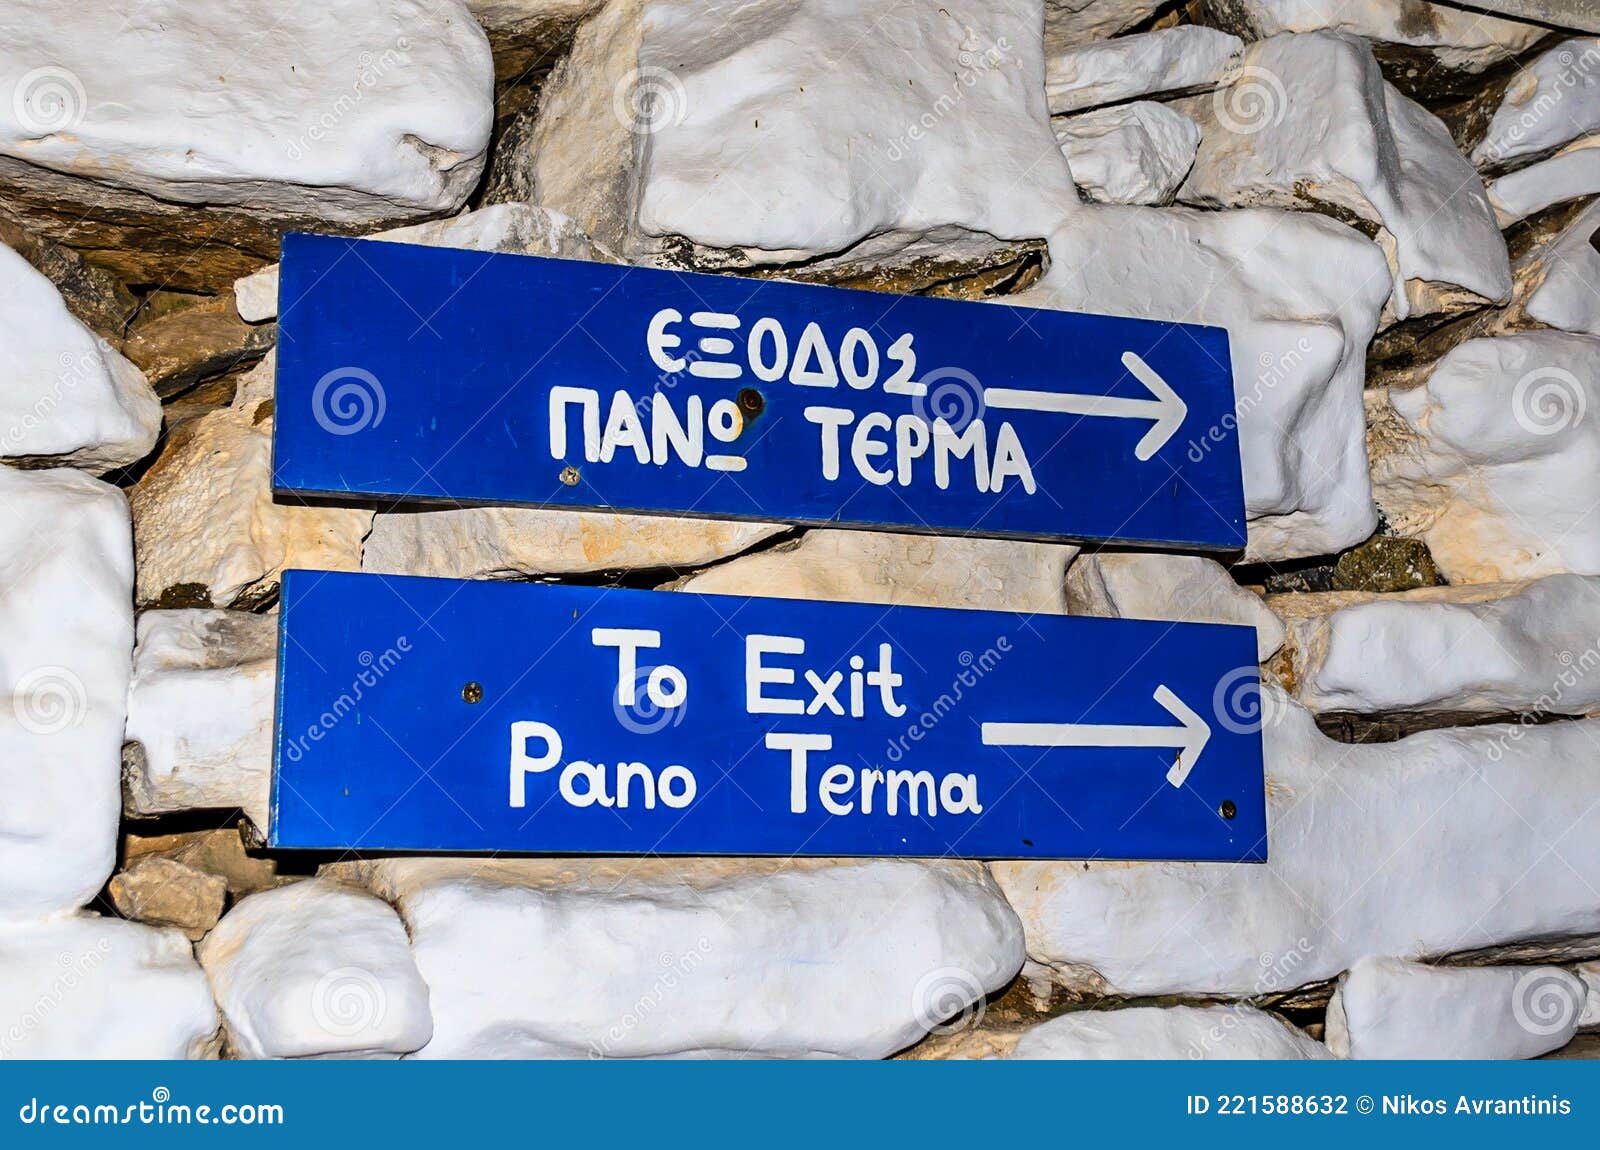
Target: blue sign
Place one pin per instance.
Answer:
(440, 715)
(420, 374)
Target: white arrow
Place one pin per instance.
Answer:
(1189, 739)
(1166, 409)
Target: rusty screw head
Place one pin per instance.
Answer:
(1227, 810)
(751, 401)
(472, 693)
(569, 476)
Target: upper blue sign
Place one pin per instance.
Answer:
(434, 714)
(419, 373)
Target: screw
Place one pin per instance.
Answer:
(569, 476)
(1227, 809)
(472, 693)
(751, 402)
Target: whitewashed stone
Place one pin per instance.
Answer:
(1149, 585)
(1069, 23)
(1300, 296)
(1550, 102)
(1556, 280)
(200, 712)
(1446, 841)
(1460, 40)
(66, 630)
(1177, 59)
(1495, 461)
(1134, 153)
(1486, 649)
(206, 527)
(1390, 1008)
(82, 986)
(1206, 1033)
(1588, 973)
(69, 396)
(524, 229)
(315, 969)
(1570, 174)
(519, 542)
(697, 957)
(367, 111)
(913, 570)
(637, 125)
(1309, 121)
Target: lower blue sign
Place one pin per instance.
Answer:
(433, 714)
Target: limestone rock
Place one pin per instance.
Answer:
(1179, 59)
(636, 124)
(709, 957)
(66, 627)
(94, 295)
(1309, 122)
(206, 527)
(915, 570)
(218, 852)
(316, 969)
(1442, 842)
(1148, 585)
(200, 712)
(1570, 174)
(69, 396)
(82, 986)
(1484, 649)
(1134, 153)
(1208, 1033)
(1492, 462)
(1390, 1008)
(1300, 296)
(528, 38)
(1385, 563)
(524, 229)
(519, 542)
(175, 146)
(206, 339)
(161, 892)
(1555, 278)
(1551, 102)
(1070, 23)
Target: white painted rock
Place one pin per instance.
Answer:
(1487, 649)
(315, 969)
(200, 711)
(1207, 1033)
(639, 124)
(914, 570)
(1300, 296)
(1309, 121)
(1556, 280)
(1134, 153)
(82, 986)
(1457, 39)
(370, 109)
(207, 529)
(1177, 59)
(518, 542)
(1069, 23)
(1391, 1008)
(1493, 461)
(1588, 973)
(1571, 173)
(1446, 841)
(1149, 585)
(69, 396)
(66, 630)
(721, 957)
(1550, 102)
(524, 229)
